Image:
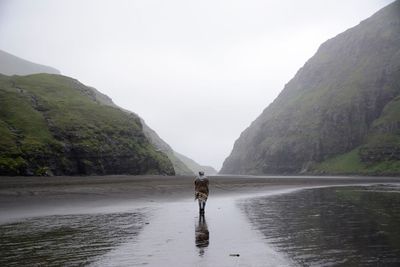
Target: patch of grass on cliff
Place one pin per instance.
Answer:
(12, 166)
(389, 167)
(342, 164)
(19, 118)
(350, 163)
(390, 113)
(7, 140)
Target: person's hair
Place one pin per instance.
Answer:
(201, 173)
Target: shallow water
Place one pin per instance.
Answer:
(346, 226)
(170, 233)
(177, 236)
(66, 240)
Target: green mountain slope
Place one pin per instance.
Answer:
(179, 166)
(12, 65)
(52, 123)
(194, 166)
(339, 114)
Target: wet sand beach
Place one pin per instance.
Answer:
(145, 220)
(39, 194)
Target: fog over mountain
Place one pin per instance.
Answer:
(11, 65)
(197, 72)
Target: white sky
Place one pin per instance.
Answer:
(198, 72)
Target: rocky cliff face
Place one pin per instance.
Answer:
(51, 124)
(339, 114)
(180, 167)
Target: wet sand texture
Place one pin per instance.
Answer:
(154, 221)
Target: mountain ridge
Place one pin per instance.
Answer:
(13, 65)
(330, 106)
(194, 166)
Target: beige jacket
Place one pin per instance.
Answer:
(201, 185)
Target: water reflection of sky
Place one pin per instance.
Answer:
(176, 236)
(66, 240)
(349, 226)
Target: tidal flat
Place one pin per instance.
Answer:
(154, 221)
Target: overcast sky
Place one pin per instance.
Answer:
(198, 72)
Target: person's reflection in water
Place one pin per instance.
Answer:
(202, 235)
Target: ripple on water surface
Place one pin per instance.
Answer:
(65, 240)
(349, 226)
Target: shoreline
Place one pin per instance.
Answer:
(145, 220)
(22, 197)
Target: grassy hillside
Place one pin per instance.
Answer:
(54, 124)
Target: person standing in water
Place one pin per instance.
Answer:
(201, 191)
